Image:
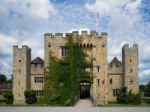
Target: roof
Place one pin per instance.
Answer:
(37, 60)
(116, 62)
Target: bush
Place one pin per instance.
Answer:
(128, 98)
(30, 96)
(146, 100)
(9, 97)
(68, 102)
(40, 100)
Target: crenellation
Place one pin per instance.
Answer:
(58, 35)
(75, 33)
(68, 34)
(111, 76)
(93, 33)
(48, 34)
(104, 33)
(84, 34)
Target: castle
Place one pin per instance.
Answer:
(108, 78)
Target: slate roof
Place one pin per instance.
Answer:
(116, 62)
(37, 60)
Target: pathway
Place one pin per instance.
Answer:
(84, 103)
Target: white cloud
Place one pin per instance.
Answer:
(123, 13)
(146, 54)
(33, 8)
(6, 43)
(145, 76)
(40, 53)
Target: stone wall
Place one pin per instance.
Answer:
(96, 48)
(37, 70)
(130, 67)
(21, 72)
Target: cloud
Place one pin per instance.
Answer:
(146, 54)
(33, 8)
(6, 44)
(6, 53)
(26, 21)
(145, 76)
(123, 14)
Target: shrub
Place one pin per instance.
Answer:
(68, 102)
(128, 98)
(9, 97)
(30, 96)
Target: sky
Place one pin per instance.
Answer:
(24, 22)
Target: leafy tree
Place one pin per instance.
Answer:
(2, 78)
(30, 96)
(9, 97)
(147, 90)
(142, 87)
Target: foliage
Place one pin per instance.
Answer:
(145, 89)
(2, 78)
(62, 79)
(146, 100)
(128, 98)
(9, 97)
(30, 96)
(40, 100)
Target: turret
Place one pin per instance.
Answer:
(21, 72)
(130, 67)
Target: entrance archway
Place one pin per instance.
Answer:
(84, 89)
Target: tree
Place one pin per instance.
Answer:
(9, 97)
(30, 96)
(2, 78)
(147, 90)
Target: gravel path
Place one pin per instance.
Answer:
(74, 109)
(84, 103)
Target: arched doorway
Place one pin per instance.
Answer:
(84, 89)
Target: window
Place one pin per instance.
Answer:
(115, 92)
(111, 81)
(19, 70)
(38, 79)
(98, 82)
(19, 83)
(130, 60)
(131, 70)
(49, 45)
(103, 82)
(19, 60)
(98, 68)
(131, 81)
(39, 92)
(64, 51)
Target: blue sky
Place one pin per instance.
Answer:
(26, 21)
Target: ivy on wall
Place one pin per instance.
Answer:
(62, 80)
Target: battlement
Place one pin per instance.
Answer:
(24, 48)
(134, 46)
(83, 34)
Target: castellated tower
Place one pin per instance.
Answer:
(21, 72)
(96, 48)
(130, 67)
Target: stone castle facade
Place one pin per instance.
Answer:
(108, 78)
